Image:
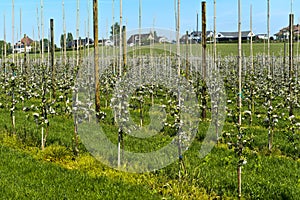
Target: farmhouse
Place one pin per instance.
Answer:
(233, 36)
(145, 39)
(284, 32)
(19, 47)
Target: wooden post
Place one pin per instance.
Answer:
(25, 53)
(4, 60)
(284, 59)
(187, 56)
(291, 63)
(269, 62)
(197, 25)
(39, 31)
(42, 27)
(239, 168)
(251, 42)
(252, 65)
(215, 34)
(121, 39)
(53, 85)
(96, 57)
(77, 35)
(177, 38)
(124, 48)
(204, 59)
(64, 34)
(13, 30)
(114, 37)
(291, 27)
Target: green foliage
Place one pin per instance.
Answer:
(115, 29)
(8, 48)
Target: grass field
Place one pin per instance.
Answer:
(58, 172)
(223, 49)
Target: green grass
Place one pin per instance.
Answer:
(23, 177)
(223, 49)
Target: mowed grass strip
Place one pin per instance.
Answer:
(23, 177)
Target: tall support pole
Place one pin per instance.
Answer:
(297, 65)
(187, 55)
(215, 34)
(114, 37)
(42, 27)
(88, 31)
(140, 25)
(120, 133)
(291, 61)
(33, 37)
(197, 23)
(48, 49)
(96, 57)
(291, 35)
(65, 34)
(39, 31)
(13, 30)
(239, 169)
(124, 47)
(204, 59)
(140, 33)
(25, 53)
(77, 34)
(251, 41)
(268, 27)
(178, 38)
(252, 65)
(177, 17)
(121, 39)
(4, 60)
(53, 84)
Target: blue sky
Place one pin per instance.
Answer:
(155, 13)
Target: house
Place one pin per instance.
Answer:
(163, 40)
(19, 47)
(143, 39)
(261, 36)
(285, 32)
(233, 36)
(105, 42)
(109, 43)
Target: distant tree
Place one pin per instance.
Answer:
(69, 37)
(46, 43)
(62, 41)
(35, 45)
(8, 47)
(115, 28)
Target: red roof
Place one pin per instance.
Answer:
(26, 40)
